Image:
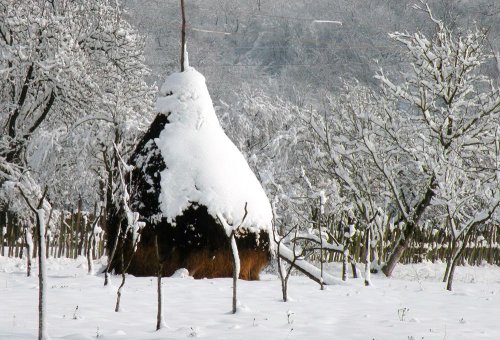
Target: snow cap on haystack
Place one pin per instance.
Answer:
(203, 166)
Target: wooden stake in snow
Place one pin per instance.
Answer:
(183, 37)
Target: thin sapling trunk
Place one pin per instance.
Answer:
(119, 291)
(235, 257)
(159, 315)
(449, 259)
(91, 246)
(345, 260)
(321, 212)
(456, 258)
(112, 255)
(283, 277)
(42, 276)
(29, 249)
(285, 273)
(236, 269)
(124, 268)
(368, 281)
(42, 268)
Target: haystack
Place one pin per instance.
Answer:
(187, 172)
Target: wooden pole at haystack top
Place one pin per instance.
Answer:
(183, 35)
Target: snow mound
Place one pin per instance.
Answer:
(202, 164)
(181, 273)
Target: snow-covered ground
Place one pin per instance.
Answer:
(412, 305)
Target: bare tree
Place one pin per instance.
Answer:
(463, 231)
(235, 258)
(133, 226)
(285, 272)
(454, 111)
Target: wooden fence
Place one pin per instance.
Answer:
(427, 245)
(69, 233)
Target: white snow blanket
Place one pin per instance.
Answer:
(203, 164)
(413, 304)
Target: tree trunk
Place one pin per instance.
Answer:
(91, 245)
(10, 235)
(449, 260)
(23, 245)
(112, 255)
(409, 230)
(42, 275)
(73, 237)
(284, 279)
(42, 270)
(124, 268)
(90, 263)
(119, 291)
(3, 231)
(456, 258)
(399, 249)
(354, 270)
(492, 232)
(345, 261)
(321, 243)
(29, 250)
(367, 258)
(61, 236)
(159, 315)
(2, 248)
(79, 230)
(449, 284)
(236, 269)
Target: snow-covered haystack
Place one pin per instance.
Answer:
(188, 175)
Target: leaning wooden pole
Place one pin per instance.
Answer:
(306, 268)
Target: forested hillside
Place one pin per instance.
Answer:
(296, 49)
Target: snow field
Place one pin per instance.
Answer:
(412, 305)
